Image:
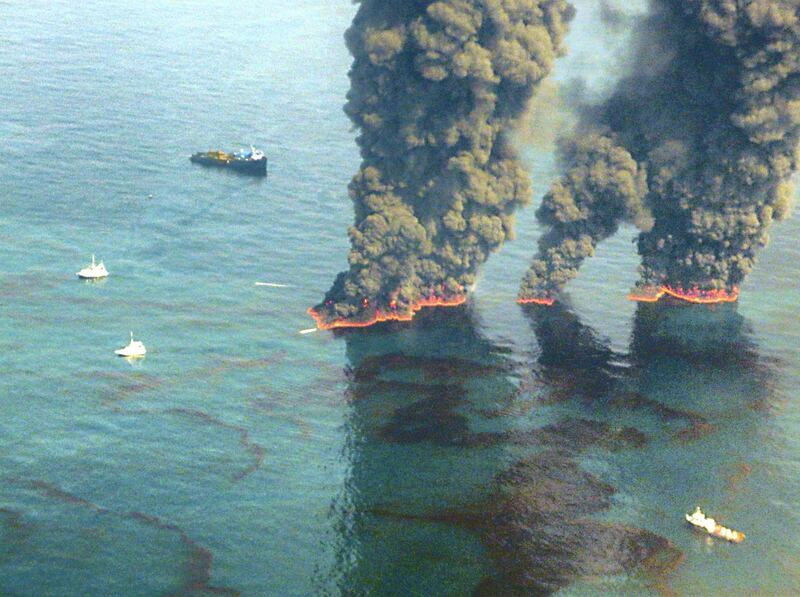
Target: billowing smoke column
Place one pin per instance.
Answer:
(437, 89)
(696, 147)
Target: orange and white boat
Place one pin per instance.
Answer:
(700, 521)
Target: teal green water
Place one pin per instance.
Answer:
(241, 456)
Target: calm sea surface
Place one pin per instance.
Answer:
(241, 456)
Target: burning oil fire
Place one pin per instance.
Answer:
(383, 316)
(690, 295)
(546, 301)
(643, 295)
(654, 294)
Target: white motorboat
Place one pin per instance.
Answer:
(93, 271)
(700, 521)
(135, 348)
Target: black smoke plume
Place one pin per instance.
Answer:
(696, 147)
(437, 90)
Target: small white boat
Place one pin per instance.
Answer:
(94, 271)
(700, 521)
(134, 349)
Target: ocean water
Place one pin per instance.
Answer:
(481, 449)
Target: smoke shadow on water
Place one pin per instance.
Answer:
(694, 381)
(686, 364)
(474, 469)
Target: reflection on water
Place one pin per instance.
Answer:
(134, 362)
(679, 356)
(164, 553)
(411, 390)
(473, 470)
(692, 379)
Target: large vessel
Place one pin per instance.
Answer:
(700, 521)
(252, 161)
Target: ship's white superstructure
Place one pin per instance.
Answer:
(135, 348)
(700, 521)
(93, 271)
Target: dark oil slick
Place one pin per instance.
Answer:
(534, 516)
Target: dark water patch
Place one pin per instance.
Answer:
(533, 518)
(27, 286)
(436, 416)
(772, 400)
(709, 337)
(574, 435)
(221, 365)
(197, 571)
(275, 404)
(432, 419)
(638, 401)
(14, 531)
(325, 369)
(573, 360)
(127, 385)
(257, 451)
(51, 491)
(554, 556)
(435, 419)
(196, 577)
(520, 400)
(40, 319)
(430, 368)
(697, 427)
(517, 407)
(705, 336)
(269, 401)
(564, 385)
(534, 528)
(400, 390)
(695, 432)
(669, 342)
(565, 341)
(326, 384)
(549, 483)
(122, 385)
(737, 476)
(136, 387)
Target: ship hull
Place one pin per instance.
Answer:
(254, 167)
(719, 531)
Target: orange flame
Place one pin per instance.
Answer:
(690, 295)
(383, 316)
(547, 302)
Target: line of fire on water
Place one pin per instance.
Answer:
(653, 295)
(691, 295)
(546, 301)
(384, 316)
